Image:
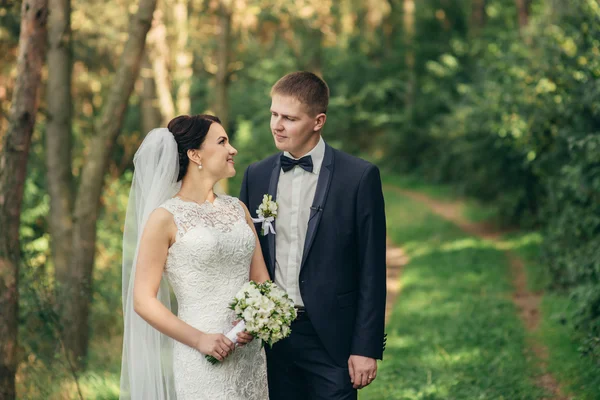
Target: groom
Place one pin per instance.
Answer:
(328, 252)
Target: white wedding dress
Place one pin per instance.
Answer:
(206, 266)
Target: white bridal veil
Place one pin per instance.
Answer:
(146, 370)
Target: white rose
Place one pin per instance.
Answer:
(247, 315)
(262, 322)
(250, 326)
(273, 326)
(251, 301)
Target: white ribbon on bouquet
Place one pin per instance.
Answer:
(232, 334)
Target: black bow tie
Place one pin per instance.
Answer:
(288, 163)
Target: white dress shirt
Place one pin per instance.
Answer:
(295, 194)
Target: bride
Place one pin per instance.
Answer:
(206, 247)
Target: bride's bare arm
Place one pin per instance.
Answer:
(158, 235)
(258, 268)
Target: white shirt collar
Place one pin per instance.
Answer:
(317, 154)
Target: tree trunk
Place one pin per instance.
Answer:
(184, 58)
(151, 116)
(222, 75)
(158, 51)
(13, 165)
(59, 140)
(523, 9)
(390, 26)
(409, 59)
(86, 209)
(222, 78)
(316, 52)
(477, 17)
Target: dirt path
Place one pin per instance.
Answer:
(526, 301)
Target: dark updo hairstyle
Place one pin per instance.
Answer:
(189, 133)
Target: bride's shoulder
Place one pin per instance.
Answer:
(161, 218)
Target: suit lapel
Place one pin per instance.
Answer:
(316, 210)
(273, 192)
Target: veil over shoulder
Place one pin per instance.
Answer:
(146, 370)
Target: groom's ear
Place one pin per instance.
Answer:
(319, 122)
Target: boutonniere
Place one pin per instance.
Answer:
(267, 212)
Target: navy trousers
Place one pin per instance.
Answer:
(299, 368)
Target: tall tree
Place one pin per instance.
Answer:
(158, 52)
(13, 165)
(183, 57)
(151, 114)
(223, 75)
(59, 138)
(523, 9)
(477, 16)
(409, 59)
(303, 26)
(315, 61)
(223, 58)
(77, 283)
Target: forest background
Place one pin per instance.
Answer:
(497, 99)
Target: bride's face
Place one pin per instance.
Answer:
(217, 153)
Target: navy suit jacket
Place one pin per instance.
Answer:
(343, 272)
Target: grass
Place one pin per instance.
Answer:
(454, 332)
(412, 369)
(577, 375)
(50, 379)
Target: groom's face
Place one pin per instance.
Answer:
(294, 129)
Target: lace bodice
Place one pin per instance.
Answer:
(206, 266)
(221, 215)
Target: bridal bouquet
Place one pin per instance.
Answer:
(265, 310)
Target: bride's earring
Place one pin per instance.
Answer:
(199, 166)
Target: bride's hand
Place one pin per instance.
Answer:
(243, 337)
(215, 344)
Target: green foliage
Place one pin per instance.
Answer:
(512, 118)
(573, 235)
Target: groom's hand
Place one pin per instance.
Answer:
(363, 370)
(243, 337)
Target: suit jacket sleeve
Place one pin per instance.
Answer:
(244, 195)
(368, 338)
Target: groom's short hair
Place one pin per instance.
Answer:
(307, 88)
